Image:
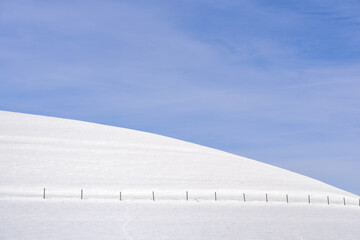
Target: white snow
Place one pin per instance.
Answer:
(76, 219)
(65, 156)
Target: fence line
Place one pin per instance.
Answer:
(216, 198)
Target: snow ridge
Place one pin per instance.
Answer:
(67, 155)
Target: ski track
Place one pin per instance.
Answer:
(126, 223)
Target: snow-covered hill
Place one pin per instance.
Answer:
(38, 151)
(65, 156)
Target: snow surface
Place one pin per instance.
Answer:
(65, 156)
(76, 219)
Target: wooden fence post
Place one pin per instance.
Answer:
(244, 197)
(287, 198)
(187, 196)
(215, 197)
(120, 197)
(44, 194)
(81, 195)
(153, 196)
(344, 201)
(328, 200)
(309, 198)
(266, 197)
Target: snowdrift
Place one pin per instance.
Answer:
(65, 156)
(169, 189)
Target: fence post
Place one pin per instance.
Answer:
(244, 197)
(344, 201)
(266, 197)
(153, 196)
(215, 197)
(328, 200)
(120, 197)
(187, 196)
(309, 198)
(44, 194)
(81, 195)
(287, 198)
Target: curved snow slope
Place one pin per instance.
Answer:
(38, 151)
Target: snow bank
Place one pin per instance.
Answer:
(65, 156)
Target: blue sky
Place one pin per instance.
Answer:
(276, 81)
